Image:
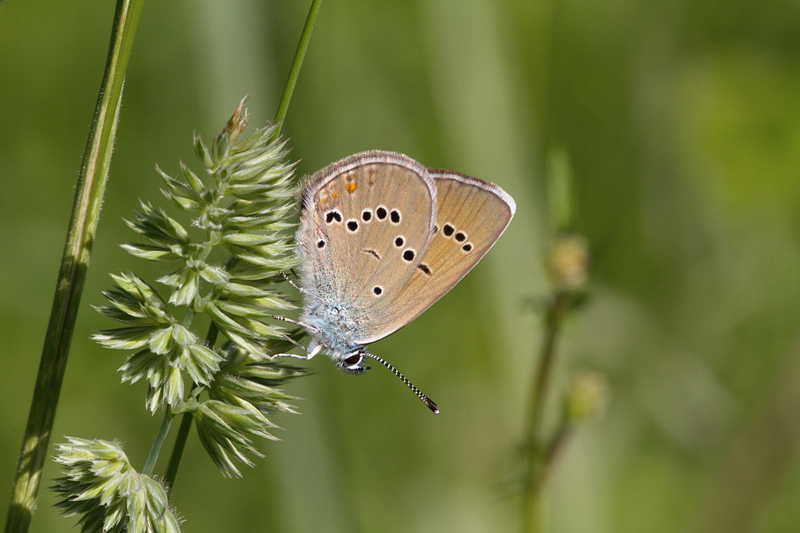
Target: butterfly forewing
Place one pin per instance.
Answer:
(472, 214)
(370, 224)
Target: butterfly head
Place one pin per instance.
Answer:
(353, 363)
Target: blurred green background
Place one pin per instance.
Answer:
(682, 123)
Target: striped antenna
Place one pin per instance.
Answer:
(427, 401)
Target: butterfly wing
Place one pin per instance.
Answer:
(365, 224)
(472, 214)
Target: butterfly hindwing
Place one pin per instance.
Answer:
(472, 214)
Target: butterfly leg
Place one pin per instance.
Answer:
(299, 288)
(290, 339)
(312, 329)
(310, 353)
(293, 284)
(292, 355)
(306, 357)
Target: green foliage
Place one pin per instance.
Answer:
(101, 486)
(241, 396)
(240, 206)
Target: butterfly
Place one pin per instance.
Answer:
(382, 238)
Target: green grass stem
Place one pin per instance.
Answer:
(294, 72)
(72, 273)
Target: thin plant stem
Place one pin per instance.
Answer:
(186, 425)
(555, 313)
(150, 464)
(294, 72)
(557, 443)
(72, 273)
(177, 451)
(536, 455)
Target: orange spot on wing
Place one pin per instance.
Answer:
(350, 186)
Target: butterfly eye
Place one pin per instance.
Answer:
(353, 364)
(377, 290)
(352, 225)
(408, 255)
(448, 229)
(381, 212)
(399, 241)
(467, 248)
(366, 215)
(461, 236)
(394, 216)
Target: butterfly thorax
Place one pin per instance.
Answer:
(335, 329)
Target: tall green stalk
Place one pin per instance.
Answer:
(72, 273)
(537, 458)
(294, 72)
(567, 265)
